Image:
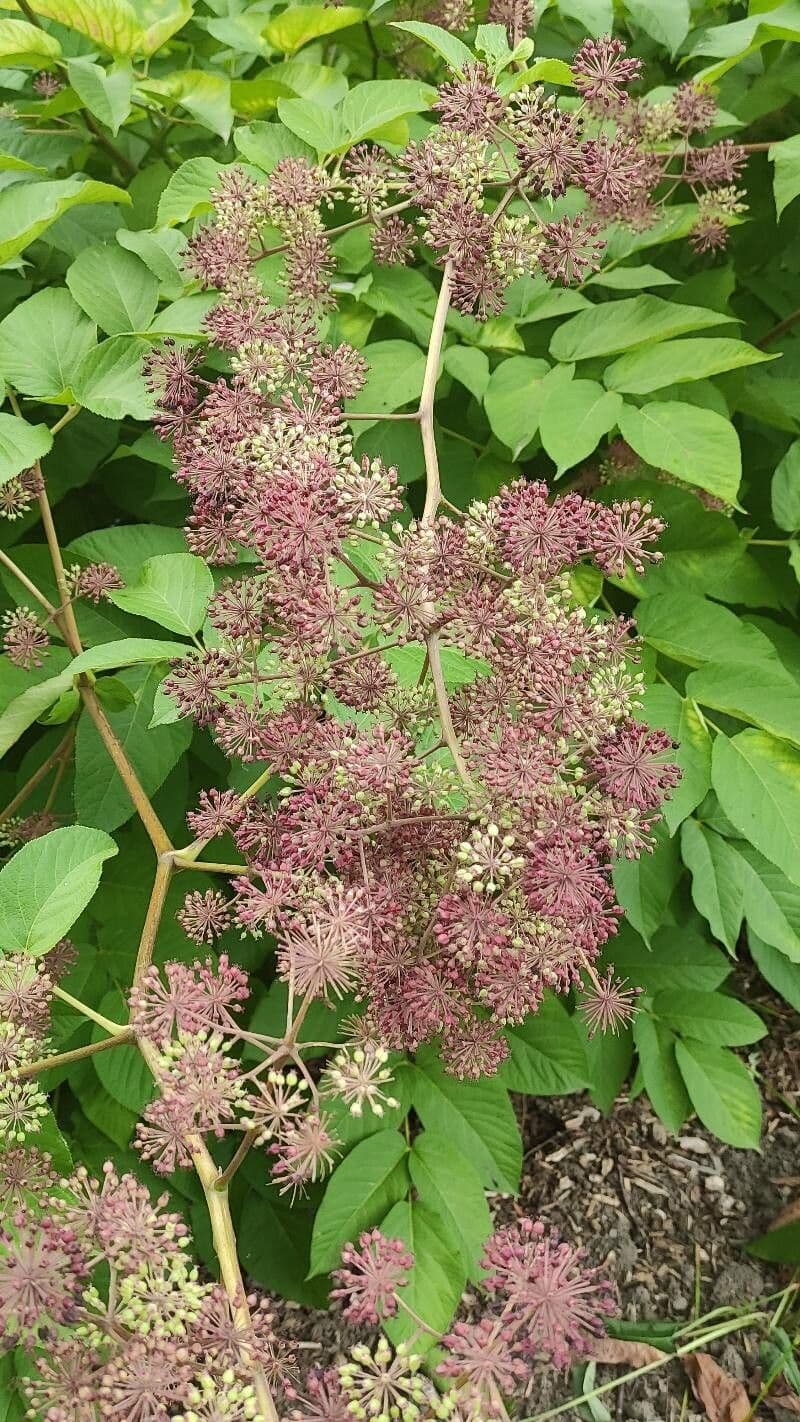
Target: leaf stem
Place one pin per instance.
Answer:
(155, 909)
(29, 586)
(141, 800)
(433, 498)
(779, 330)
(60, 753)
(242, 1151)
(693, 1347)
(108, 1026)
(122, 1036)
(201, 865)
(66, 419)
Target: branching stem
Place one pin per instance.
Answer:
(56, 757)
(433, 499)
(60, 1059)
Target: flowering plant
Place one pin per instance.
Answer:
(429, 761)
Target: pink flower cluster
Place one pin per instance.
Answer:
(444, 895)
(540, 1302)
(97, 1286)
(447, 183)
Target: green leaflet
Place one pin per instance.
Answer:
(698, 446)
(620, 325)
(757, 780)
(173, 589)
(27, 212)
(722, 1092)
(476, 1116)
(47, 884)
(368, 1182)
(547, 1054)
(21, 445)
(447, 1182)
(114, 288)
(42, 343)
(437, 1279)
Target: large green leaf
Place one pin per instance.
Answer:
(174, 590)
(670, 362)
(127, 546)
(781, 974)
(123, 27)
(437, 1279)
(771, 901)
(21, 445)
(42, 343)
(621, 325)
(662, 1079)
(448, 45)
(207, 97)
(162, 253)
(375, 102)
(274, 1239)
(447, 1182)
(676, 958)
(547, 1054)
(105, 93)
(696, 445)
(596, 16)
(115, 288)
(786, 489)
(717, 887)
(299, 24)
(693, 630)
(22, 707)
(574, 417)
(663, 707)
(396, 370)
(667, 24)
(188, 192)
(127, 653)
(757, 781)
(100, 796)
(26, 45)
(476, 1116)
(608, 1058)
(27, 211)
(513, 400)
(109, 379)
(265, 144)
(644, 886)
(764, 693)
(722, 1093)
(709, 1017)
(786, 181)
(317, 127)
(372, 1178)
(47, 885)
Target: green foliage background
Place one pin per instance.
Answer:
(694, 363)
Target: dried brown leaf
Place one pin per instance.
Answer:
(784, 1401)
(619, 1350)
(722, 1396)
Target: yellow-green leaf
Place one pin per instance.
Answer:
(27, 211)
(26, 45)
(300, 23)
